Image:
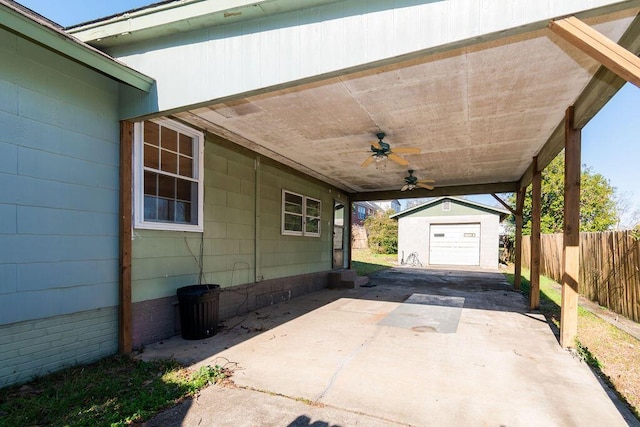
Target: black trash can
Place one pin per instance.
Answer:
(199, 307)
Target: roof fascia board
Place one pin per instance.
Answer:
(457, 190)
(172, 17)
(19, 23)
(458, 200)
(600, 89)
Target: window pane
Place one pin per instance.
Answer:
(292, 222)
(166, 186)
(169, 162)
(151, 133)
(150, 207)
(312, 225)
(169, 139)
(186, 145)
(150, 183)
(151, 156)
(166, 210)
(186, 167)
(183, 212)
(184, 190)
(313, 207)
(292, 203)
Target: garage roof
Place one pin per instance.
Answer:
(486, 208)
(478, 109)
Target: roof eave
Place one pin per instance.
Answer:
(42, 32)
(165, 18)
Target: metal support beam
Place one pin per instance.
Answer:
(125, 331)
(607, 52)
(536, 209)
(571, 240)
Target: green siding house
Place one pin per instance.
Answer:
(225, 142)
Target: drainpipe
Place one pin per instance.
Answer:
(256, 222)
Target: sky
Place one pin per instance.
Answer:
(610, 141)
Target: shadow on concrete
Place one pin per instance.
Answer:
(305, 421)
(481, 290)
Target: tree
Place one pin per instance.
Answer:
(597, 201)
(382, 233)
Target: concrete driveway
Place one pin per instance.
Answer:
(421, 347)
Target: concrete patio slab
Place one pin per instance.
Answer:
(372, 355)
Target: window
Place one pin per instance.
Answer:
(300, 215)
(362, 212)
(168, 174)
(446, 205)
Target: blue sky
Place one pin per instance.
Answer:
(610, 142)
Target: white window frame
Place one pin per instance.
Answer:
(304, 216)
(307, 217)
(138, 178)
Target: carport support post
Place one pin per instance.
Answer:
(571, 238)
(517, 274)
(125, 334)
(536, 209)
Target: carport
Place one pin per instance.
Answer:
(488, 92)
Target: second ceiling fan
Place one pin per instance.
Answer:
(412, 182)
(382, 150)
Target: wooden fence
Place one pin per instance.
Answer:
(609, 268)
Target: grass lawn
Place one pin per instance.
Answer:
(115, 391)
(611, 352)
(365, 262)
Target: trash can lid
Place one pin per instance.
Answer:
(197, 290)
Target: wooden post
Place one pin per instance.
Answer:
(517, 274)
(536, 207)
(124, 295)
(571, 238)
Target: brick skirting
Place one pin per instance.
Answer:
(154, 320)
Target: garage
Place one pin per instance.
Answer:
(455, 244)
(449, 231)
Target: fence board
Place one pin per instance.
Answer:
(609, 268)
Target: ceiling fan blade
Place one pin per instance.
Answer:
(376, 145)
(426, 186)
(399, 160)
(407, 150)
(426, 181)
(405, 187)
(367, 162)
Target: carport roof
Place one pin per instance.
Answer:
(479, 109)
(501, 212)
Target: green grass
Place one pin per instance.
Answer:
(115, 391)
(365, 262)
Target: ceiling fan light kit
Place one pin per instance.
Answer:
(382, 151)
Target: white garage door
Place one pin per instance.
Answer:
(454, 244)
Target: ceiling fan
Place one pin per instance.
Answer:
(413, 182)
(382, 150)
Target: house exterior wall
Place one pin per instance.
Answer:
(287, 266)
(58, 211)
(414, 236)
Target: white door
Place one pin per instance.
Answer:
(454, 244)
